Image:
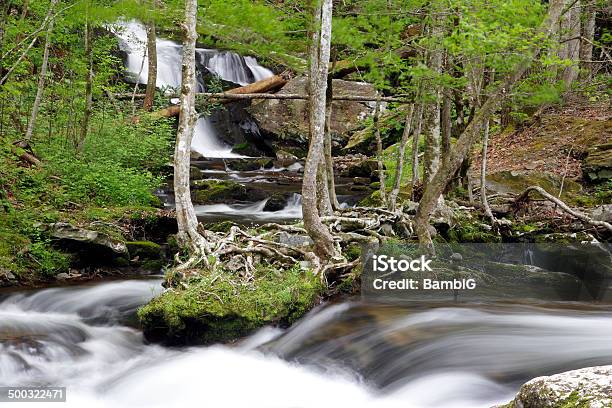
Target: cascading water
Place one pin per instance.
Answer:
(229, 66)
(352, 354)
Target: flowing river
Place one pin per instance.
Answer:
(347, 354)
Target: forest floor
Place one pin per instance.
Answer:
(555, 140)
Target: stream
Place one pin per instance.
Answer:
(352, 353)
(346, 354)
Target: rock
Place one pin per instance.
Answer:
(235, 264)
(603, 213)
(410, 207)
(357, 165)
(294, 239)
(250, 164)
(276, 202)
(285, 159)
(456, 257)
(195, 173)
(144, 249)
(78, 238)
(7, 278)
(597, 165)
(62, 276)
(516, 182)
(387, 230)
(587, 387)
(286, 121)
(216, 191)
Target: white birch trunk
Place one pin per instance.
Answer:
(320, 55)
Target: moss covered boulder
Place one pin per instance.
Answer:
(515, 182)
(585, 388)
(597, 165)
(224, 307)
(216, 191)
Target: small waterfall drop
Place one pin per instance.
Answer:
(228, 65)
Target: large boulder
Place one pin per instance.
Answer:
(286, 121)
(91, 246)
(585, 388)
(597, 165)
(515, 182)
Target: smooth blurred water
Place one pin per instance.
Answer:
(348, 354)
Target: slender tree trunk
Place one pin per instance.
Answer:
(415, 149)
(483, 173)
(433, 133)
(41, 80)
(379, 156)
(320, 55)
(329, 160)
(88, 87)
(588, 35)
(152, 75)
(399, 168)
(185, 214)
(446, 123)
(471, 134)
(323, 199)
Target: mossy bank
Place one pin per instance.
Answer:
(221, 307)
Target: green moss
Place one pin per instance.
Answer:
(211, 191)
(373, 200)
(223, 307)
(574, 400)
(144, 249)
(471, 230)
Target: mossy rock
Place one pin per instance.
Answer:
(216, 191)
(144, 249)
(250, 164)
(222, 308)
(517, 181)
(223, 226)
(373, 200)
(597, 165)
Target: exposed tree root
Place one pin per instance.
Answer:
(576, 214)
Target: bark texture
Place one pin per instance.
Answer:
(152, 65)
(185, 214)
(320, 56)
(399, 168)
(88, 88)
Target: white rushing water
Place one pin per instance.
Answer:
(443, 358)
(228, 65)
(254, 211)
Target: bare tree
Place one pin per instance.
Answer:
(472, 133)
(41, 79)
(571, 41)
(415, 148)
(588, 35)
(399, 166)
(188, 234)
(379, 156)
(329, 161)
(320, 55)
(152, 65)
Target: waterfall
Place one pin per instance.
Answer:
(228, 65)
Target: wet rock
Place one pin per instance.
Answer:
(7, 278)
(62, 276)
(144, 249)
(285, 159)
(587, 387)
(250, 164)
(276, 202)
(597, 165)
(286, 121)
(603, 213)
(216, 191)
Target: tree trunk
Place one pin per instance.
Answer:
(185, 214)
(152, 65)
(471, 134)
(41, 80)
(379, 156)
(415, 149)
(88, 88)
(399, 168)
(329, 160)
(588, 35)
(320, 55)
(446, 123)
(572, 45)
(483, 173)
